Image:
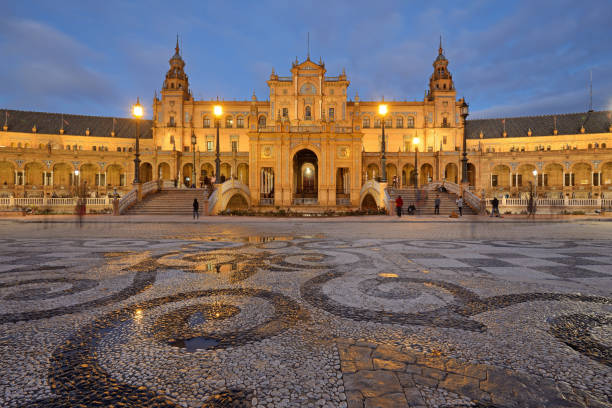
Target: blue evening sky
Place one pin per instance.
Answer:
(508, 58)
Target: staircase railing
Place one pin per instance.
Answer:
(130, 198)
(470, 198)
(212, 200)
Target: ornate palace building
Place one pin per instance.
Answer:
(306, 144)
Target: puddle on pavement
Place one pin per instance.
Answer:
(195, 343)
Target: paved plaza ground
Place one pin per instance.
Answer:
(272, 312)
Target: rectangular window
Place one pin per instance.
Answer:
(209, 146)
(494, 180)
(389, 122)
(122, 180)
(377, 123)
(595, 179)
(235, 146)
(443, 139)
(94, 148)
(399, 122)
(569, 179)
(206, 123)
(229, 122)
(410, 122)
(366, 123)
(186, 149)
(240, 122)
(519, 180)
(171, 120)
(285, 112)
(331, 113)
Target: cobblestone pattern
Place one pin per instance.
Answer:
(123, 348)
(574, 330)
(449, 317)
(382, 376)
(78, 378)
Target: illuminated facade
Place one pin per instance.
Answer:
(307, 144)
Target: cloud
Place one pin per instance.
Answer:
(49, 69)
(522, 57)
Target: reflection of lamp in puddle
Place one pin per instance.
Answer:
(138, 314)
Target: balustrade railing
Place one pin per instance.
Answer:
(305, 129)
(52, 202)
(305, 201)
(127, 200)
(266, 201)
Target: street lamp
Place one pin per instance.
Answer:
(535, 182)
(382, 111)
(415, 143)
(77, 190)
(137, 112)
(464, 162)
(193, 170)
(218, 111)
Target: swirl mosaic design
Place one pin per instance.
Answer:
(453, 315)
(79, 379)
(574, 330)
(41, 289)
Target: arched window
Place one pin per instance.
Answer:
(399, 122)
(229, 122)
(240, 122)
(331, 113)
(410, 122)
(366, 122)
(377, 123)
(262, 121)
(389, 122)
(308, 113)
(206, 122)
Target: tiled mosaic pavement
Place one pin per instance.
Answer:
(305, 322)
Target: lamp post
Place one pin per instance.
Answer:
(218, 111)
(193, 170)
(415, 143)
(382, 111)
(535, 183)
(464, 161)
(137, 111)
(77, 189)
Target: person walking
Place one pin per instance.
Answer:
(398, 205)
(196, 208)
(459, 203)
(437, 205)
(495, 207)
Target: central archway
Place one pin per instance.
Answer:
(305, 177)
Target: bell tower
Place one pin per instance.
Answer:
(176, 79)
(170, 114)
(441, 81)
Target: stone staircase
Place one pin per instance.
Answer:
(425, 206)
(171, 201)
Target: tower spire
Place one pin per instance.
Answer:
(440, 49)
(177, 45)
(308, 47)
